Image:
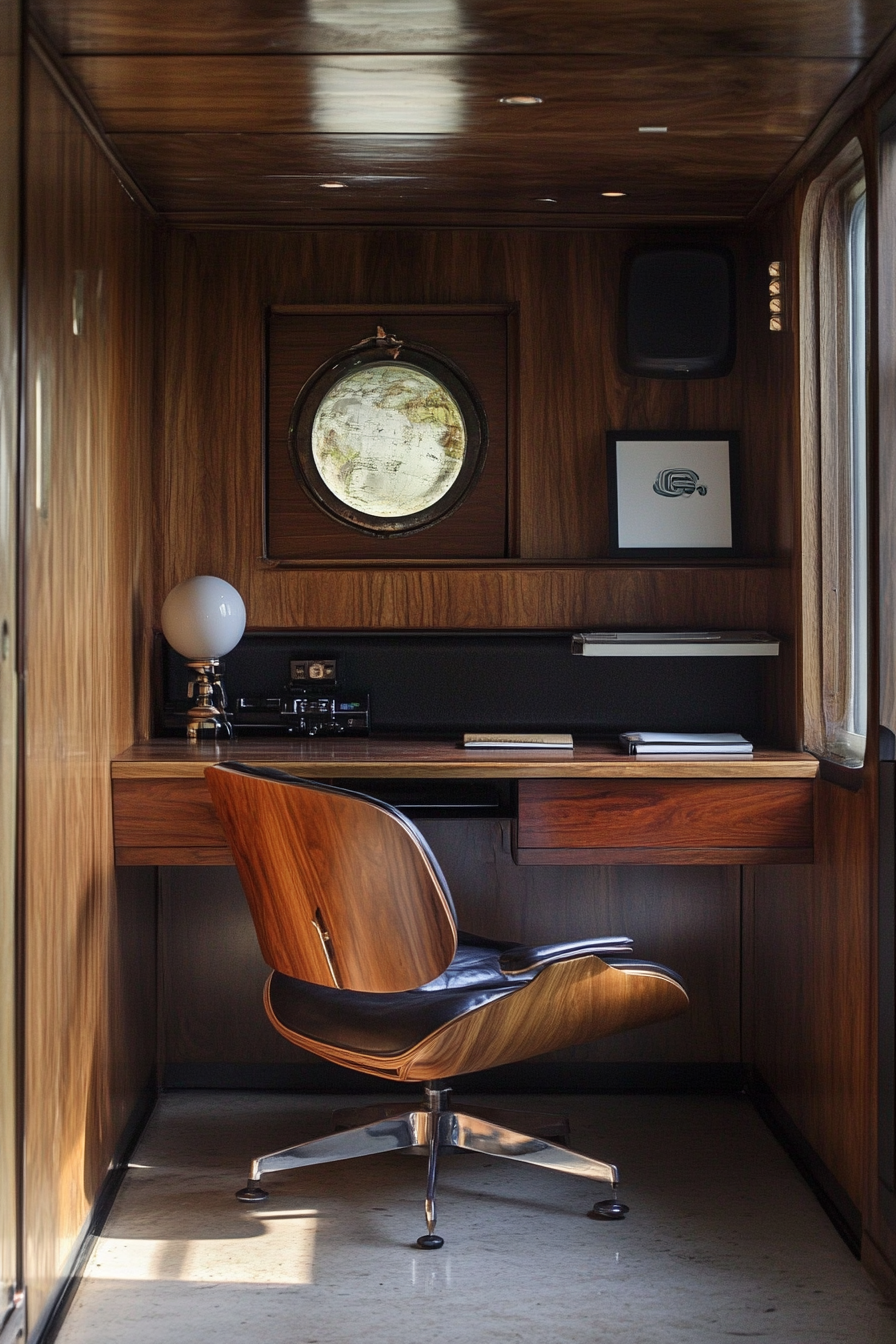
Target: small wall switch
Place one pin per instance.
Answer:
(312, 669)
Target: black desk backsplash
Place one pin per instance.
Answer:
(425, 684)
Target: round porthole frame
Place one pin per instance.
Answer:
(429, 361)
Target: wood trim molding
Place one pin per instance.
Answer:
(70, 89)
(659, 856)
(527, 565)
(872, 75)
(235, 221)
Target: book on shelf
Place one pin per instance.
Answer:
(731, 745)
(675, 644)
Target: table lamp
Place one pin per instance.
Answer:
(203, 618)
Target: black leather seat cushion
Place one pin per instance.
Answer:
(387, 1024)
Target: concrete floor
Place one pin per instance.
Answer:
(724, 1240)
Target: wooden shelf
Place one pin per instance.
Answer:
(522, 565)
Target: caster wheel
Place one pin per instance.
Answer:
(609, 1209)
(252, 1194)
(430, 1242)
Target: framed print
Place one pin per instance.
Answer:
(672, 495)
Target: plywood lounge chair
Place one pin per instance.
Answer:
(369, 970)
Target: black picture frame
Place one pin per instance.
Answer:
(618, 481)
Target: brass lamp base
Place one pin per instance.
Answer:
(208, 716)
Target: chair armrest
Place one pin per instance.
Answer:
(518, 960)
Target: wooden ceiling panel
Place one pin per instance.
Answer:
(237, 110)
(689, 28)
(224, 174)
(456, 96)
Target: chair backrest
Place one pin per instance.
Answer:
(343, 889)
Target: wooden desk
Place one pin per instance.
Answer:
(589, 805)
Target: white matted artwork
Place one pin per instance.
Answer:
(672, 496)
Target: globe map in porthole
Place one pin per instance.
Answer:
(389, 440)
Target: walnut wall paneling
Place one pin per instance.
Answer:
(299, 342)
(10, 132)
(571, 390)
(770, 431)
(808, 994)
(90, 982)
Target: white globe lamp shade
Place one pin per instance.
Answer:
(203, 618)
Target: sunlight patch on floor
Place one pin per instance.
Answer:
(274, 1249)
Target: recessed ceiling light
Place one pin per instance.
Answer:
(612, 193)
(549, 200)
(521, 100)
(331, 186)
(653, 130)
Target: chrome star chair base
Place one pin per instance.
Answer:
(434, 1129)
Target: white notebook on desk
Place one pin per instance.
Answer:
(550, 741)
(686, 744)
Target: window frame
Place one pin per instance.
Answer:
(834, 468)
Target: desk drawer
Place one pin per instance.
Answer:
(162, 821)
(665, 821)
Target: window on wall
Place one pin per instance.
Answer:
(833, 417)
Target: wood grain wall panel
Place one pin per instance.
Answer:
(212, 974)
(298, 344)
(687, 919)
(770, 434)
(809, 986)
(571, 391)
(10, 278)
(90, 942)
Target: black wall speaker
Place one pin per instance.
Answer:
(678, 318)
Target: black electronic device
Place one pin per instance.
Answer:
(678, 312)
(303, 712)
(338, 715)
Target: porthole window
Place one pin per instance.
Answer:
(833, 319)
(388, 437)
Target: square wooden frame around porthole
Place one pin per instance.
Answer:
(481, 340)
